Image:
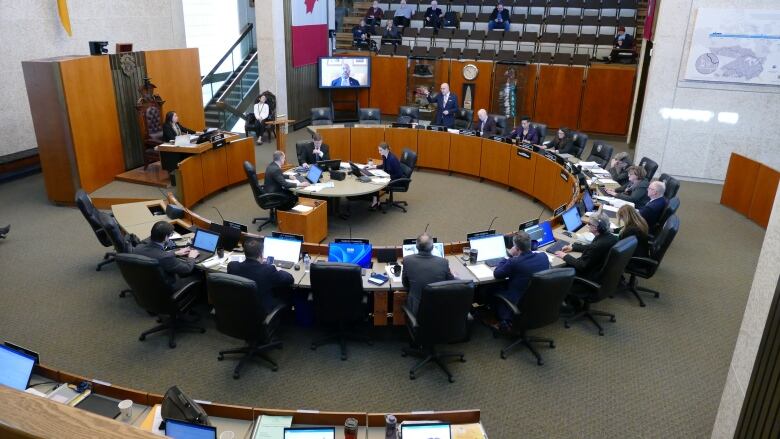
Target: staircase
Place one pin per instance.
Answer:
(344, 36)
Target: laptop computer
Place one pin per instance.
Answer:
(425, 431)
(490, 249)
(205, 242)
(361, 174)
(285, 249)
(310, 433)
(572, 219)
(541, 233)
(185, 430)
(15, 368)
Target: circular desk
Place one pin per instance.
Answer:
(349, 187)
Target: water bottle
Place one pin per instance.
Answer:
(306, 261)
(391, 427)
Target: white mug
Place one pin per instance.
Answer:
(125, 410)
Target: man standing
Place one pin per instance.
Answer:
(525, 133)
(316, 151)
(499, 18)
(267, 277)
(653, 209)
(275, 182)
(486, 125)
(345, 80)
(421, 269)
(447, 106)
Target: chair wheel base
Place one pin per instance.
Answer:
(142, 338)
(412, 376)
(451, 379)
(236, 376)
(612, 319)
(539, 363)
(220, 357)
(552, 345)
(503, 355)
(601, 333)
(462, 359)
(172, 345)
(274, 368)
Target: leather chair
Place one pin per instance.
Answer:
(501, 124)
(650, 166)
(600, 153)
(672, 185)
(542, 129)
(300, 150)
(92, 215)
(441, 318)
(580, 141)
(338, 294)
(413, 113)
(539, 307)
(152, 293)
(607, 284)
(464, 119)
(369, 116)
(122, 243)
(321, 116)
(671, 208)
(4, 231)
(266, 201)
(239, 314)
(645, 267)
(408, 162)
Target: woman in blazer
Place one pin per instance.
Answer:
(635, 190)
(172, 127)
(633, 224)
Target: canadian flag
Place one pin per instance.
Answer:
(309, 31)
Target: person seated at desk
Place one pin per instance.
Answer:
(316, 151)
(4, 231)
(525, 133)
(433, 16)
(403, 15)
(632, 224)
(172, 127)
(268, 278)
(499, 18)
(518, 269)
(177, 271)
(391, 34)
(486, 125)
(635, 190)
(563, 142)
(446, 106)
(345, 80)
(421, 269)
(374, 14)
(653, 209)
(589, 264)
(391, 165)
(275, 182)
(618, 167)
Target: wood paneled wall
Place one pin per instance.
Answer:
(750, 188)
(176, 73)
(483, 83)
(126, 90)
(607, 98)
(388, 70)
(558, 95)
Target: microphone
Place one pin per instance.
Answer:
(491, 222)
(426, 228)
(350, 231)
(220, 214)
(540, 214)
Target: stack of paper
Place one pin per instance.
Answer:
(481, 271)
(378, 180)
(302, 208)
(271, 427)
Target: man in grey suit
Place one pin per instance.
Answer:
(275, 182)
(159, 247)
(422, 269)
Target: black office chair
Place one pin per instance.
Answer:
(463, 119)
(671, 208)
(409, 114)
(608, 280)
(338, 294)
(300, 150)
(580, 140)
(321, 116)
(91, 214)
(600, 153)
(152, 293)
(4, 231)
(672, 185)
(123, 243)
(501, 124)
(372, 116)
(408, 162)
(541, 129)
(441, 318)
(539, 307)
(645, 267)
(266, 201)
(238, 313)
(650, 166)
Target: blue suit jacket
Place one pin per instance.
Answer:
(392, 166)
(652, 211)
(451, 106)
(519, 270)
(352, 82)
(532, 136)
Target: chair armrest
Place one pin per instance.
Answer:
(272, 315)
(185, 289)
(509, 304)
(643, 261)
(587, 283)
(410, 318)
(272, 198)
(402, 182)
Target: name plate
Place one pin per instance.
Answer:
(550, 156)
(524, 154)
(218, 140)
(559, 210)
(564, 176)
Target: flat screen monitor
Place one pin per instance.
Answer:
(409, 247)
(15, 368)
(588, 200)
(329, 165)
(205, 240)
(314, 174)
(282, 248)
(571, 219)
(234, 225)
(488, 247)
(185, 430)
(310, 433)
(541, 233)
(425, 431)
(352, 251)
(345, 72)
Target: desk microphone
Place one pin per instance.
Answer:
(491, 222)
(426, 228)
(540, 215)
(220, 214)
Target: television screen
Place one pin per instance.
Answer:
(345, 72)
(356, 251)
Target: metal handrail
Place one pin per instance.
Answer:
(244, 31)
(238, 77)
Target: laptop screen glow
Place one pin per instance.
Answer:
(282, 248)
(488, 247)
(15, 368)
(310, 433)
(411, 249)
(205, 240)
(572, 220)
(185, 430)
(425, 431)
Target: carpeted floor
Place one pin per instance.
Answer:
(658, 372)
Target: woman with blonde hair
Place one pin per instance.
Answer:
(633, 224)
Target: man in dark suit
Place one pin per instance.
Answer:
(486, 125)
(276, 183)
(589, 264)
(525, 132)
(433, 16)
(447, 106)
(422, 269)
(267, 277)
(518, 269)
(345, 80)
(653, 209)
(177, 271)
(499, 18)
(316, 151)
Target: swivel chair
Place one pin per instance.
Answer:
(645, 267)
(650, 166)
(300, 150)
(580, 141)
(463, 119)
(156, 296)
(338, 294)
(442, 318)
(541, 129)
(600, 153)
(321, 116)
(501, 124)
(590, 291)
(412, 113)
(672, 185)
(369, 116)
(408, 162)
(4, 231)
(671, 208)
(266, 201)
(239, 314)
(92, 215)
(122, 243)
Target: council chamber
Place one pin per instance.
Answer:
(326, 219)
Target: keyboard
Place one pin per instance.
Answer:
(366, 172)
(364, 179)
(603, 191)
(493, 262)
(284, 264)
(560, 244)
(300, 178)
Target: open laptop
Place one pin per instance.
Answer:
(425, 431)
(312, 176)
(572, 219)
(205, 242)
(490, 249)
(310, 433)
(15, 368)
(361, 174)
(285, 249)
(541, 233)
(185, 430)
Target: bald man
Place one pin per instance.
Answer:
(486, 126)
(447, 106)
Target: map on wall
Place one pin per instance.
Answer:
(735, 45)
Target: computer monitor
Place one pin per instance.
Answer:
(314, 174)
(24, 351)
(329, 165)
(310, 433)
(588, 200)
(205, 240)
(353, 251)
(488, 247)
(409, 247)
(185, 430)
(282, 247)
(230, 234)
(541, 233)
(571, 219)
(355, 170)
(15, 368)
(425, 431)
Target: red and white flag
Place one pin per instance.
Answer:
(309, 31)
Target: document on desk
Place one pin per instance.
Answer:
(379, 173)
(588, 165)
(271, 427)
(380, 181)
(302, 208)
(481, 271)
(216, 260)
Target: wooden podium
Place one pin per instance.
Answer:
(280, 132)
(313, 225)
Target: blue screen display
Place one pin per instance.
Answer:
(314, 174)
(541, 233)
(571, 219)
(205, 240)
(15, 368)
(351, 252)
(589, 206)
(185, 430)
